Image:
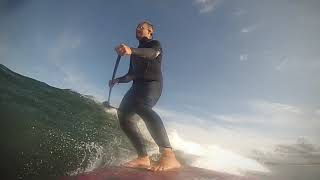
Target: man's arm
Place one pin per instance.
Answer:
(148, 53)
(128, 77)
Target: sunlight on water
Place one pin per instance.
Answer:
(213, 157)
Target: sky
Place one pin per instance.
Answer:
(244, 71)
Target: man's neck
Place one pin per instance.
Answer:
(144, 39)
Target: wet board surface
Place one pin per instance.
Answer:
(123, 173)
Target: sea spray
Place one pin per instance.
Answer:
(213, 157)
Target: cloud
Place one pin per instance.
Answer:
(250, 28)
(204, 148)
(65, 42)
(267, 123)
(212, 147)
(275, 108)
(282, 64)
(243, 57)
(206, 6)
(285, 121)
(240, 149)
(302, 152)
(206, 130)
(60, 55)
(274, 114)
(178, 116)
(239, 12)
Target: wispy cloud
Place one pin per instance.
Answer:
(288, 122)
(74, 79)
(285, 121)
(239, 12)
(206, 130)
(282, 64)
(250, 28)
(276, 108)
(302, 152)
(275, 114)
(206, 6)
(60, 53)
(208, 141)
(204, 148)
(243, 57)
(209, 145)
(66, 41)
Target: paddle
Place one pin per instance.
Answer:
(107, 103)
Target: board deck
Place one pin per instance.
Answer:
(124, 173)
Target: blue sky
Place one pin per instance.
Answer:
(246, 66)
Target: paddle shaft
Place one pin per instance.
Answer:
(113, 75)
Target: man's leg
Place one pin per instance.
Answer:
(129, 126)
(158, 132)
(154, 125)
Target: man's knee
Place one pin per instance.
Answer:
(125, 119)
(142, 109)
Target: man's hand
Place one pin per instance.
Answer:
(123, 49)
(113, 82)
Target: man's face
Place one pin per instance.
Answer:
(143, 31)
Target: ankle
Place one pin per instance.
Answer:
(161, 149)
(167, 152)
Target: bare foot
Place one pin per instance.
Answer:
(167, 161)
(140, 162)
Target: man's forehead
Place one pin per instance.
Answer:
(144, 24)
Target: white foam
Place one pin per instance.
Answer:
(214, 157)
(93, 153)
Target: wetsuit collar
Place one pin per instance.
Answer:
(144, 40)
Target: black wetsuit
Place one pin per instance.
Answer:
(145, 71)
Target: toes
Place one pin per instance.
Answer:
(163, 167)
(151, 168)
(127, 165)
(155, 168)
(159, 167)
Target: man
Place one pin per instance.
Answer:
(145, 72)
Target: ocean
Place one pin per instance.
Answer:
(48, 132)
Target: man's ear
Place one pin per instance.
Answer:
(151, 32)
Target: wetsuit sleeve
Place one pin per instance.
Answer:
(128, 77)
(148, 53)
